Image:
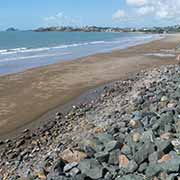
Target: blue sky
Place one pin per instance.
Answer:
(27, 14)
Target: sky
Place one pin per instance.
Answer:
(30, 14)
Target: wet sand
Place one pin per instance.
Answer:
(27, 98)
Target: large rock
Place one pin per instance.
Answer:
(114, 157)
(132, 166)
(71, 155)
(164, 146)
(102, 156)
(153, 170)
(123, 161)
(111, 146)
(142, 167)
(91, 168)
(172, 166)
(153, 158)
(69, 166)
(142, 154)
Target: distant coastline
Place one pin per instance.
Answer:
(159, 30)
(154, 30)
(84, 29)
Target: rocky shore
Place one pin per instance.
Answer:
(131, 131)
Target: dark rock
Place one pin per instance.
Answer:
(154, 157)
(173, 176)
(132, 166)
(142, 167)
(111, 168)
(120, 137)
(102, 156)
(89, 151)
(91, 168)
(111, 146)
(92, 146)
(153, 170)
(114, 157)
(137, 116)
(20, 143)
(126, 150)
(172, 166)
(124, 130)
(59, 166)
(80, 177)
(142, 154)
(164, 146)
(25, 131)
(165, 119)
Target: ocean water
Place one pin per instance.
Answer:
(23, 50)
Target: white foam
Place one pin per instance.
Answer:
(168, 50)
(3, 50)
(160, 54)
(26, 50)
(124, 40)
(18, 49)
(97, 42)
(34, 56)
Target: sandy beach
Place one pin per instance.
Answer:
(28, 96)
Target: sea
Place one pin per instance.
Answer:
(22, 50)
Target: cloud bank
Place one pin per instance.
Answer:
(155, 9)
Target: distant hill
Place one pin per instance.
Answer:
(11, 29)
(79, 29)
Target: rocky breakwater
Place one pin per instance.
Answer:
(132, 132)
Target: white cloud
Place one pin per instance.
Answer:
(156, 9)
(145, 10)
(118, 15)
(61, 20)
(136, 2)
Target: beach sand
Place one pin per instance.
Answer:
(28, 96)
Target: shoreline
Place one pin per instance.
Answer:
(18, 65)
(86, 56)
(131, 60)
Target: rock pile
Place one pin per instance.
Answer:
(132, 132)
